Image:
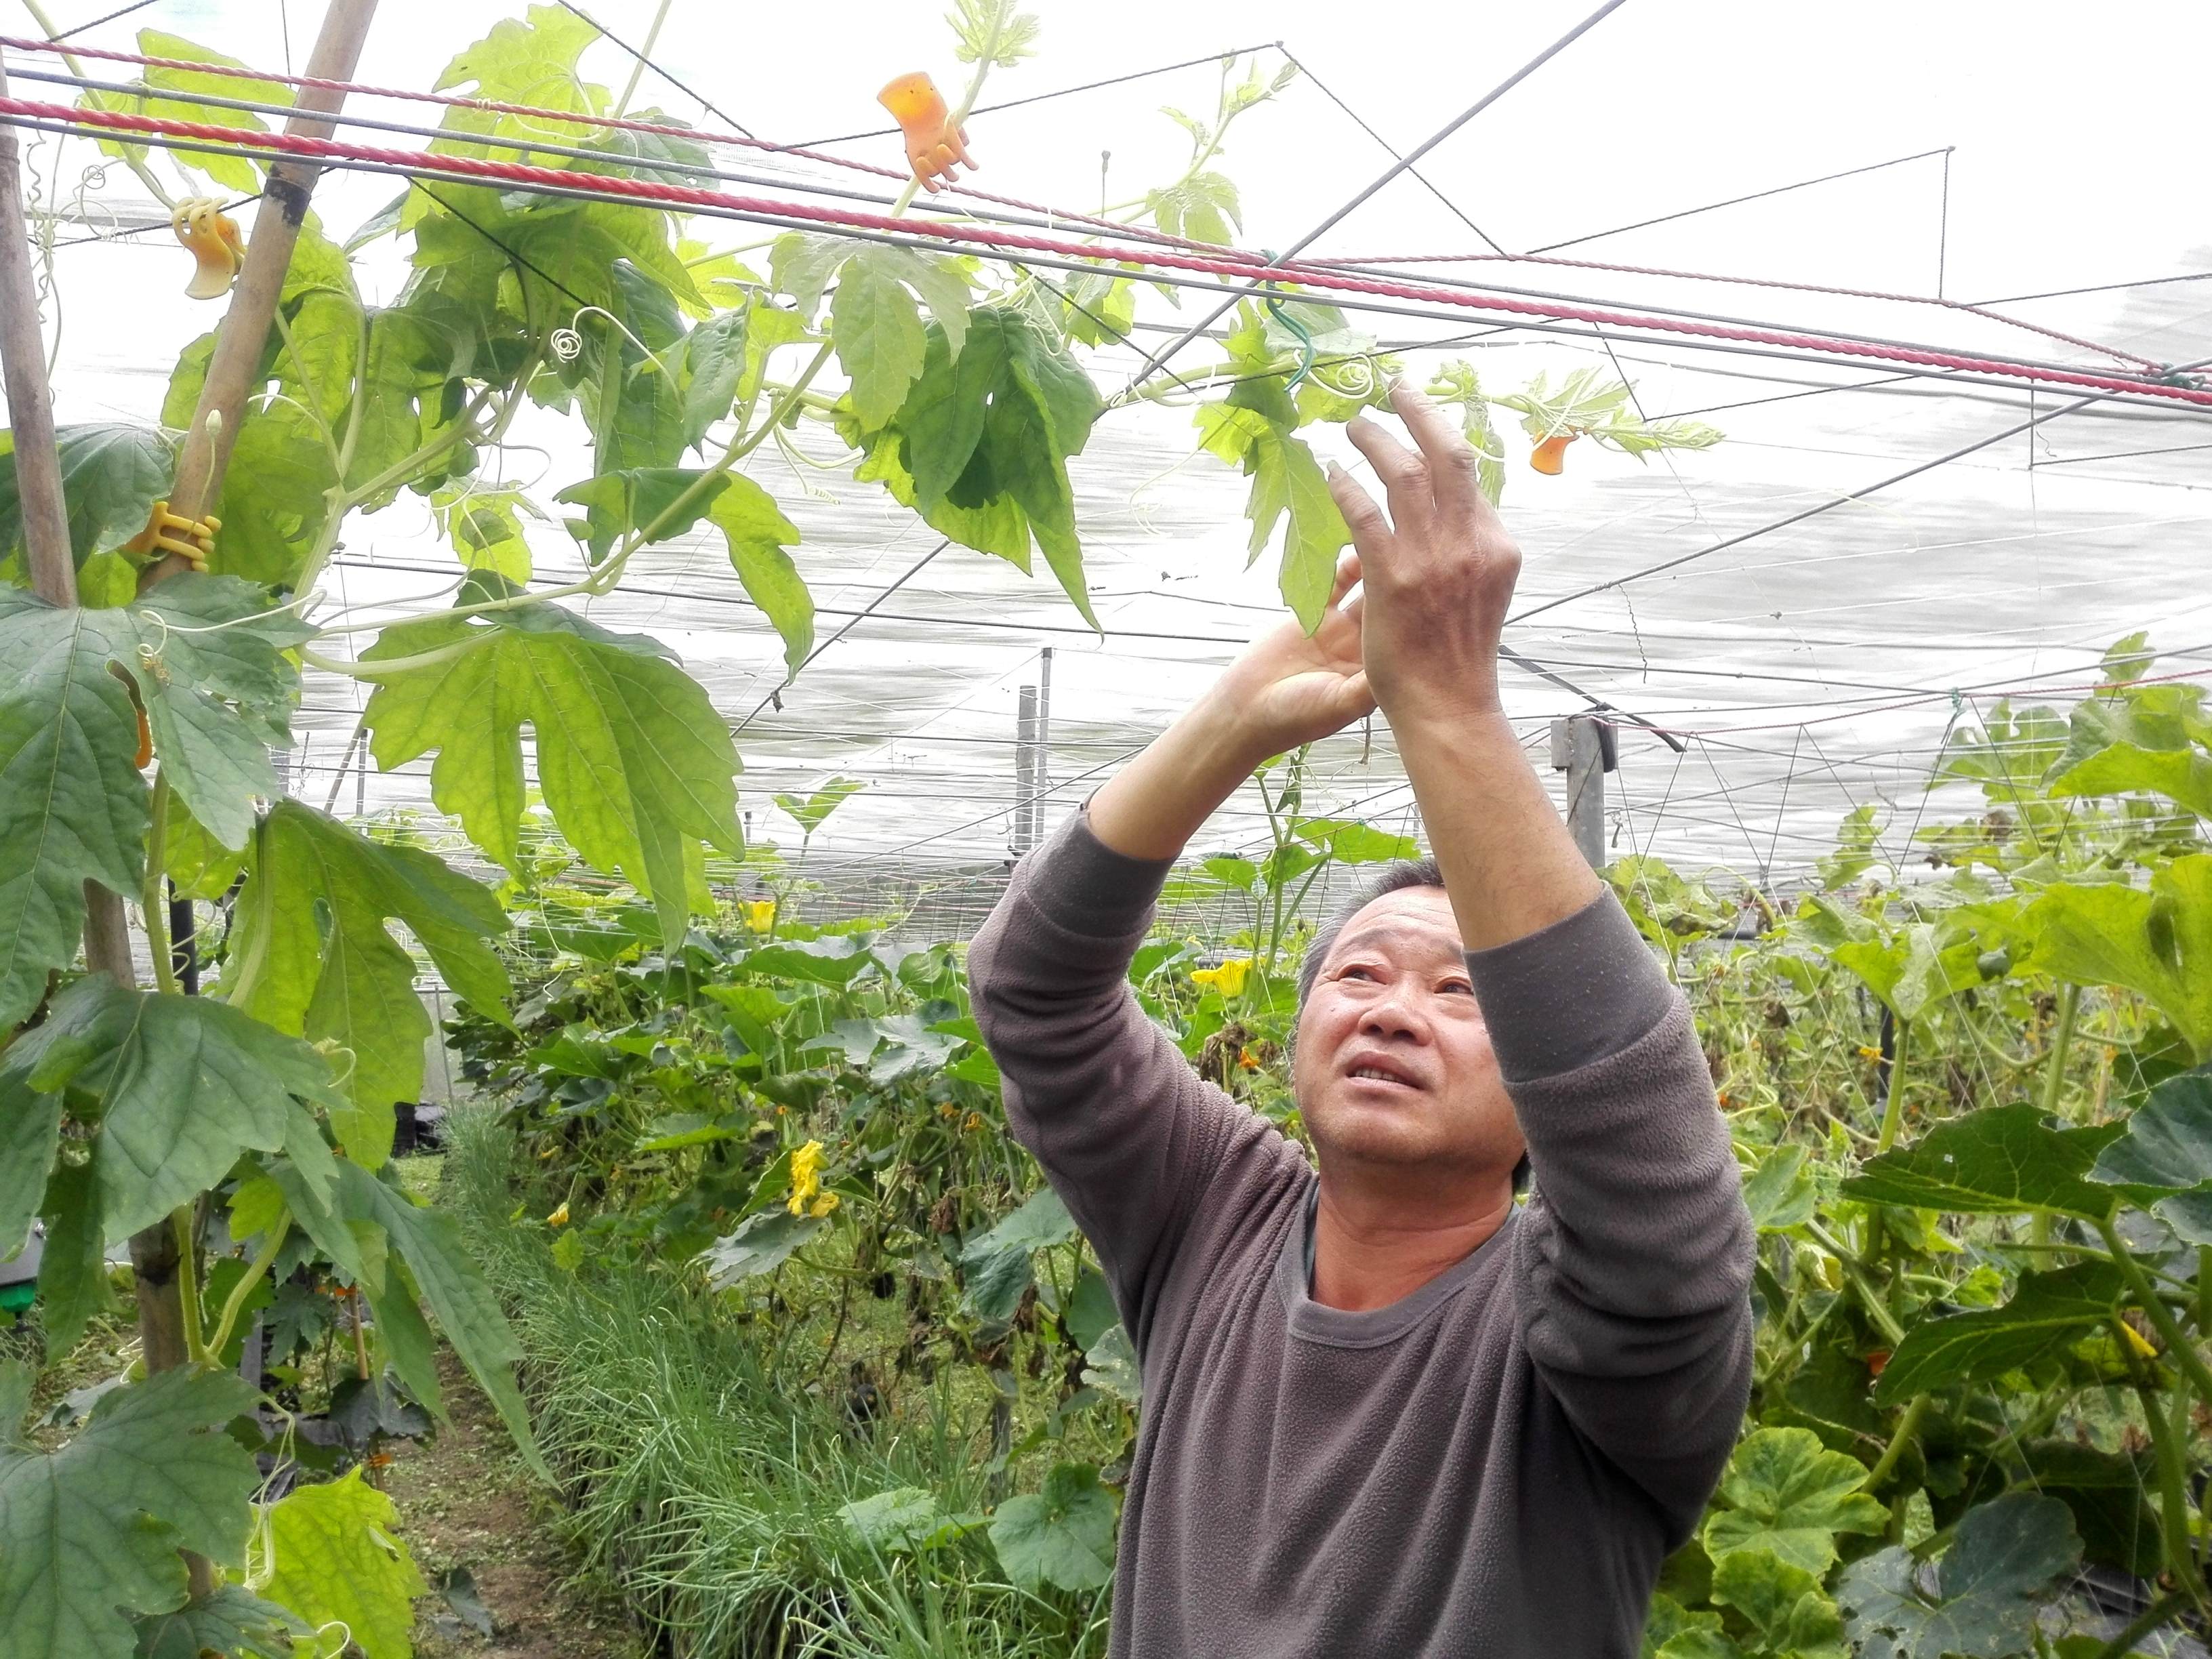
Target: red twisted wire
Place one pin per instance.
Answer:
(2149, 363)
(653, 192)
(533, 111)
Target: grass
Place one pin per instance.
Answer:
(709, 1491)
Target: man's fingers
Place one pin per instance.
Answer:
(1404, 474)
(1451, 460)
(1370, 531)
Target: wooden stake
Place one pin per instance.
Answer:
(205, 454)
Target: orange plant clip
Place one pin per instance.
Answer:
(932, 143)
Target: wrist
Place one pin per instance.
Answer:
(1219, 740)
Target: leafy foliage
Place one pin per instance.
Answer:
(333, 1554)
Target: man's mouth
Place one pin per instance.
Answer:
(1370, 1072)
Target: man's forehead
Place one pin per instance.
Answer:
(1419, 916)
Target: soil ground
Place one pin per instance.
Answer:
(465, 1500)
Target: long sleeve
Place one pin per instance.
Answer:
(1128, 1134)
(1634, 1257)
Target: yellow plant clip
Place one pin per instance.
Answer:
(213, 239)
(191, 539)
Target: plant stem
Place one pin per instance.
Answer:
(644, 53)
(235, 1306)
(2178, 1346)
(1876, 1309)
(2054, 1080)
(188, 1279)
(1907, 1426)
(2160, 1612)
(2172, 1479)
(155, 910)
(1892, 1109)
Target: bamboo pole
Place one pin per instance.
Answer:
(205, 452)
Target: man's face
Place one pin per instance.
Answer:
(1393, 1064)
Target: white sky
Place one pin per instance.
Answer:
(2068, 164)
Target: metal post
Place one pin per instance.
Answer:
(1025, 771)
(1583, 748)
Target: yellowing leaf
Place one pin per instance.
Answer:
(334, 1554)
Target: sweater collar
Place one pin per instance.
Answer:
(1311, 1322)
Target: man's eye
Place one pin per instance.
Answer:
(1458, 986)
(1357, 973)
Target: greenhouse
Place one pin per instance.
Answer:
(1128, 832)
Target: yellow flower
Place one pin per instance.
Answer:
(806, 1175)
(559, 1217)
(1228, 979)
(1865, 1052)
(2136, 1341)
(823, 1206)
(760, 914)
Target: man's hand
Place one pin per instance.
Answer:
(1289, 686)
(1438, 577)
(1437, 573)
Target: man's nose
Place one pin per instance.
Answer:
(1394, 1013)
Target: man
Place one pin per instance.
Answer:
(1386, 1411)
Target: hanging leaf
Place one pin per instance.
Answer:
(73, 1272)
(2182, 775)
(706, 366)
(2000, 1160)
(335, 1554)
(185, 1084)
(757, 533)
(111, 476)
(633, 758)
(994, 1265)
(310, 954)
(1286, 479)
(762, 1244)
(876, 328)
(2048, 1312)
(90, 1534)
(810, 811)
(2167, 1144)
(2157, 943)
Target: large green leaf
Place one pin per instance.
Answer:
(758, 532)
(231, 172)
(876, 328)
(1983, 1603)
(2000, 1160)
(275, 493)
(73, 808)
(2048, 1311)
(2111, 1494)
(230, 1620)
(2184, 775)
(762, 1243)
(111, 476)
(335, 1554)
(2158, 942)
(90, 1534)
(30, 1129)
(643, 499)
(2167, 1144)
(1789, 1496)
(186, 1084)
(634, 760)
(1062, 1536)
(706, 367)
(310, 953)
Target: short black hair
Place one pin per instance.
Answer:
(1392, 877)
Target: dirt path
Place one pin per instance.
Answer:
(466, 1501)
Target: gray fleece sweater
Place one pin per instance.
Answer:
(1494, 1467)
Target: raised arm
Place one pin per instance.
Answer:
(1634, 1255)
(1124, 1128)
